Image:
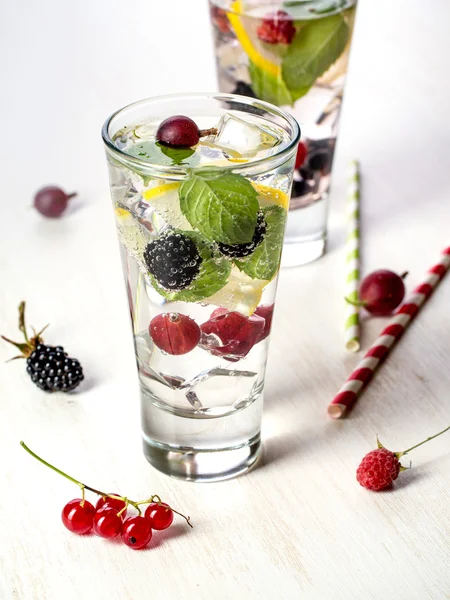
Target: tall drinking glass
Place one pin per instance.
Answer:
(201, 232)
(292, 53)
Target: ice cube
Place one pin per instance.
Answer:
(245, 139)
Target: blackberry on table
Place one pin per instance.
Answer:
(49, 367)
(174, 260)
(52, 370)
(242, 250)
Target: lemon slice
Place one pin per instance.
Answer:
(254, 54)
(164, 199)
(269, 195)
(241, 293)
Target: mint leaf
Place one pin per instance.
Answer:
(213, 275)
(314, 49)
(163, 155)
(222, 207)
(273, 89)
(177, 155)
(265, 260)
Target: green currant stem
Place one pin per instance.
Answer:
(84, 487)
(399, 454)
(50, 466)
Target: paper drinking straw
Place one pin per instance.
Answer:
(352, 258)
(349, 392)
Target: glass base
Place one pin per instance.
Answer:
(298, 253)
(191, 464)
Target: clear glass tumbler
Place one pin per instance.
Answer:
(201, 233)
(294, 54)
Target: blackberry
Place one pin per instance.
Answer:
(173, 260)
(243, 89)
(242, 250)
(52, 370)
(48, 366)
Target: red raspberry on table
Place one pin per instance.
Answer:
(276, 28)
(378, 469)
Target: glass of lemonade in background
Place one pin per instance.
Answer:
(293, 54)
(201, 231)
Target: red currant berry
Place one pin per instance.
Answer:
(107, 523)
(266, 312)
(174, 333)
(381, 292)
(236, 334)
(115, 503)
(302, 152)
(51, 201)
(77, 516)
(179, 132)
(136, 532)
(160, 515)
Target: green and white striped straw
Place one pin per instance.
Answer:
(352, 259)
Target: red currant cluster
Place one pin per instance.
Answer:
(108, 518)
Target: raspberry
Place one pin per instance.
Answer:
(241, 250)
(378, 469)
(174, 261)
(52, 370)
(276, 28)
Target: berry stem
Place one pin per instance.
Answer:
(399, 454)
(206, 132)
(72, 195)
(50, 466)
(358, 303)
(84, 487)
(404, 275)
(22, 325)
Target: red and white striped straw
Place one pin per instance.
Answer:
(349, 392)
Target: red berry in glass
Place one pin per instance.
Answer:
(178, 132)
(107, 523)
(160, 515)
(174, 333)
(302, 152)
(266, 312)
(382, 292)
(276, 28)
(78, 516)
(51, 201)
(136, 532)
(115, 503)
(232, 335)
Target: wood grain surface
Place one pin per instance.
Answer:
(298, 526)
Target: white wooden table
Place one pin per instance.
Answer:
(299, 526)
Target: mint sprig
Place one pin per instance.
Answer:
(264, 262)
(314, 49)
(213, 274)
(222, 207)
(164, 155)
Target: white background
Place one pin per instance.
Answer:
(298, 526)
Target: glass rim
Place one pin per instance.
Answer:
(242, 12)
(219, 96)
